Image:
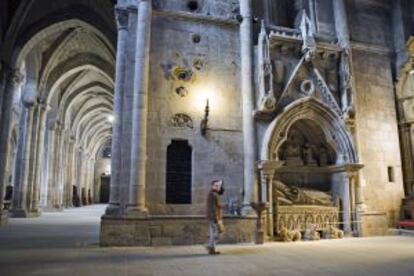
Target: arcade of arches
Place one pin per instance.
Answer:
(57, 102)
(304, 105)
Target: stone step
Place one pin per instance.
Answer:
(401, 232)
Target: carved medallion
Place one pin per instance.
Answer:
(181, 120)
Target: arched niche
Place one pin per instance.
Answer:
(313, 144)
(313, 113)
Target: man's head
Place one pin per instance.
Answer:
(216, 185)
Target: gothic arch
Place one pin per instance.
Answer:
(21, 45)
(311, 109)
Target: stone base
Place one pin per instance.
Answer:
(3, 217)
(374, 224)
(171, 230)
(113, 210)
(21, 213)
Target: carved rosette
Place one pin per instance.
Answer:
(181, 120)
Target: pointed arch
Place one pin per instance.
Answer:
(309, 108)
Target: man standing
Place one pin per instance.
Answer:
(214, 215)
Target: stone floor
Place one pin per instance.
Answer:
(66, 244)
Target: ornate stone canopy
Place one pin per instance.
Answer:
(309, 108)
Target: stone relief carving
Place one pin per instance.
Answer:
(326, 93)
(308, 221)
(346, 81)
(309, 43)
(199, 64)
(292, 195)
(181, 120)
(267, 101)
(178, 71)
(182, 73)
(181, 91)
(298, 151)
(289, 235)
(307, 87)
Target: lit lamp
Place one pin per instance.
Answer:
(204, 121)
(203, 99)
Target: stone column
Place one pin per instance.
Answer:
(20, 207)
(12, 82)
(58, 167)
(356, 197)
(40, 162)
(70, 172)
(114, 200)
(399, 32)
(267, 170)
(342, 33)
(341, 189)
(140, 111)
(269, 199)
(359, 205)
(346, 206)
(36, 160)
(249, 143)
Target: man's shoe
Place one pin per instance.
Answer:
(213, 251)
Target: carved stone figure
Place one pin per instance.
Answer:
(311, 234)
(293, 155)
(333, 233)
(309, 44)
(267, 100)
(289, 235)
(323, 156)
(290, 195)
(308, 155)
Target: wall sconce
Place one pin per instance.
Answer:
(204, 121)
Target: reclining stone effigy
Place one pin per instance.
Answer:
(299, 210)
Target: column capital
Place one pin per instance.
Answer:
(269, 167)
(122, 15)
(352, 169)
(14, 75)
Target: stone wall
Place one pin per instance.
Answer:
(377, 139)
(171, 230)
(207, 54)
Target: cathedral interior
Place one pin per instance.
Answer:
(304, 108)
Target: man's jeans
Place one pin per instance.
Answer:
(213, 234)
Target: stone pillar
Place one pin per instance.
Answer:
(356, 198)
(41, 158)
(20, 207)
(37, 158)
(58, 167)
(267, 173)
(359, 205)
(12, 82)
(140, 111)
(346, 206)
(341, 190)
(249, 144)
(342, 33)
(269, 200)
(399, 37)
(70, 172)
(114, 200)
(50, 167)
